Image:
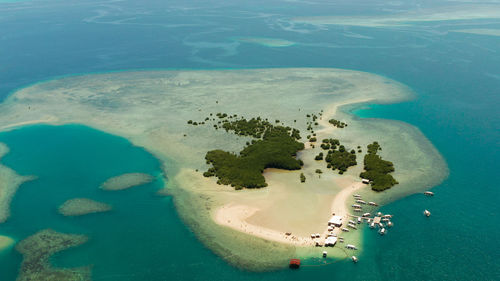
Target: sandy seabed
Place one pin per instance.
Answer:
(248, 228)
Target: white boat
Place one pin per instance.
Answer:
(350, 246)
(379, 214)
(427, 213)
(356, 206)
(354, 259)
(380, 225)
(358, 210)
(356, 195)
(372, 204)
(359, 220)
(385, 220)
(345, 229)
(372, 225)
(366, 214)
(351, 221)
(352, 226)
(387, 216)
(429, 193)
(382, 231)
(390, 224)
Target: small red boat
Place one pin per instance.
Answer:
(294, 263)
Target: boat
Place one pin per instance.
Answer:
(345, 229)
(379, 214)
(352, 226)
(372, 204)
(358, 209)
(382, 231)
(390, 224)
(380, 225)
(351, 247)
(387, 216)
(294, 263)
(366, 214)
(427, 213)
(354, 259)
(372, 225)
(352, 222)
(359, 220)
(385, 220)
(325, 254)
(360, 202)
(429, 193)
(356, 206)
(356, 195)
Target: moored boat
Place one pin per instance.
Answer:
(427, 213)
(294, 263)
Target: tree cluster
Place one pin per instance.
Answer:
(378, 170)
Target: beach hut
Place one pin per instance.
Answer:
(330, 241)
(336, 221)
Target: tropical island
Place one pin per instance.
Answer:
(246, 227)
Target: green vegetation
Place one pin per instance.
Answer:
(319, 156)
(318, 171)
(339, 159)
(337, 123)
(377, 170)
(302, 177)
(273, 147)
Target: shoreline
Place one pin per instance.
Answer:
(147, 123)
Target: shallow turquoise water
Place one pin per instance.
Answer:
(455, 76)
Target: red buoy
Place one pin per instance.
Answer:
(294, 263)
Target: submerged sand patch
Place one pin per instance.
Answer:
(151, 109)
(448, 13)
(479, 31)
(264, 41)
(82, 206)
(10, 181)
(6, 242)
(126, 181)
(37, 250)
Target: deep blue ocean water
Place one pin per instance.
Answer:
(456, 78)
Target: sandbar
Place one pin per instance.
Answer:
(246, 227)
(126, 181)
(82, 206)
